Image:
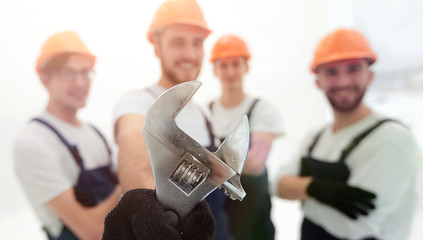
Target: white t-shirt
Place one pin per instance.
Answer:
(385, 163)
(264, 117)
(191, 120)
(46, 168)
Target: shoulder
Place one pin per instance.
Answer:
(263, 105)
(33, 134)
(135, 95)
(133, 102)
(389, 127)
(391, 144)
(35, 140)
(265, 116)
(394, 139)
(395, 132)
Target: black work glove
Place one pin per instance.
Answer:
(351, 201)
(140, 216)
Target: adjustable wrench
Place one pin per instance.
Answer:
(184, 171)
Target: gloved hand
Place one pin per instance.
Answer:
(351, 201)
(140, 216)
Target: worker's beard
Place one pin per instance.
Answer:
(176, 77)
(346, 105)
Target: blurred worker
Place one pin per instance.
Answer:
(357, 175)
(177, 33)
(63, 163)
(249, 219)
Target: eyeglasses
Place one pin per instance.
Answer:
(68, 74)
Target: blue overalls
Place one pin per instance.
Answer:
(337, 171)
(250, 219)
(93, 186)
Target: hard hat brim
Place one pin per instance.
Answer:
(43, 61)
(153, 30)
(345, 56)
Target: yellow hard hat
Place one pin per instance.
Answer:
(177, 11)
(63, 42)
(342, 44)
(229, 46)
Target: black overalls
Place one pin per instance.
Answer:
(93, 186)
(250, 219)
(337, 171)
(217, 198)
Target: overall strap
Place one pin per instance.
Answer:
(103, 138)
(210, 131)
(249, 116)
(211, 106)
(72, 148)
(209, 127)
(313, 144)
(360, 137)
(252, 107)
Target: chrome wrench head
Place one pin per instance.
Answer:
(184, 171)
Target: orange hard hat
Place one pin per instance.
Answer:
(177, 11)
(229, 46)
(342, 44)
(63, 42)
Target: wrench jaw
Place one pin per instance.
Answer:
(182, 182)
(234, 151)
(160, 118)
(184, 171)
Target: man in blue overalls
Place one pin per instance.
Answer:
(357, 175)
(63, 163)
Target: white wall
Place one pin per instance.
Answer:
(281, 36)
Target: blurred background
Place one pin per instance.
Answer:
(281, 35)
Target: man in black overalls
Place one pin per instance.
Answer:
(64, 163)
(250, 218)
(356, 177)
